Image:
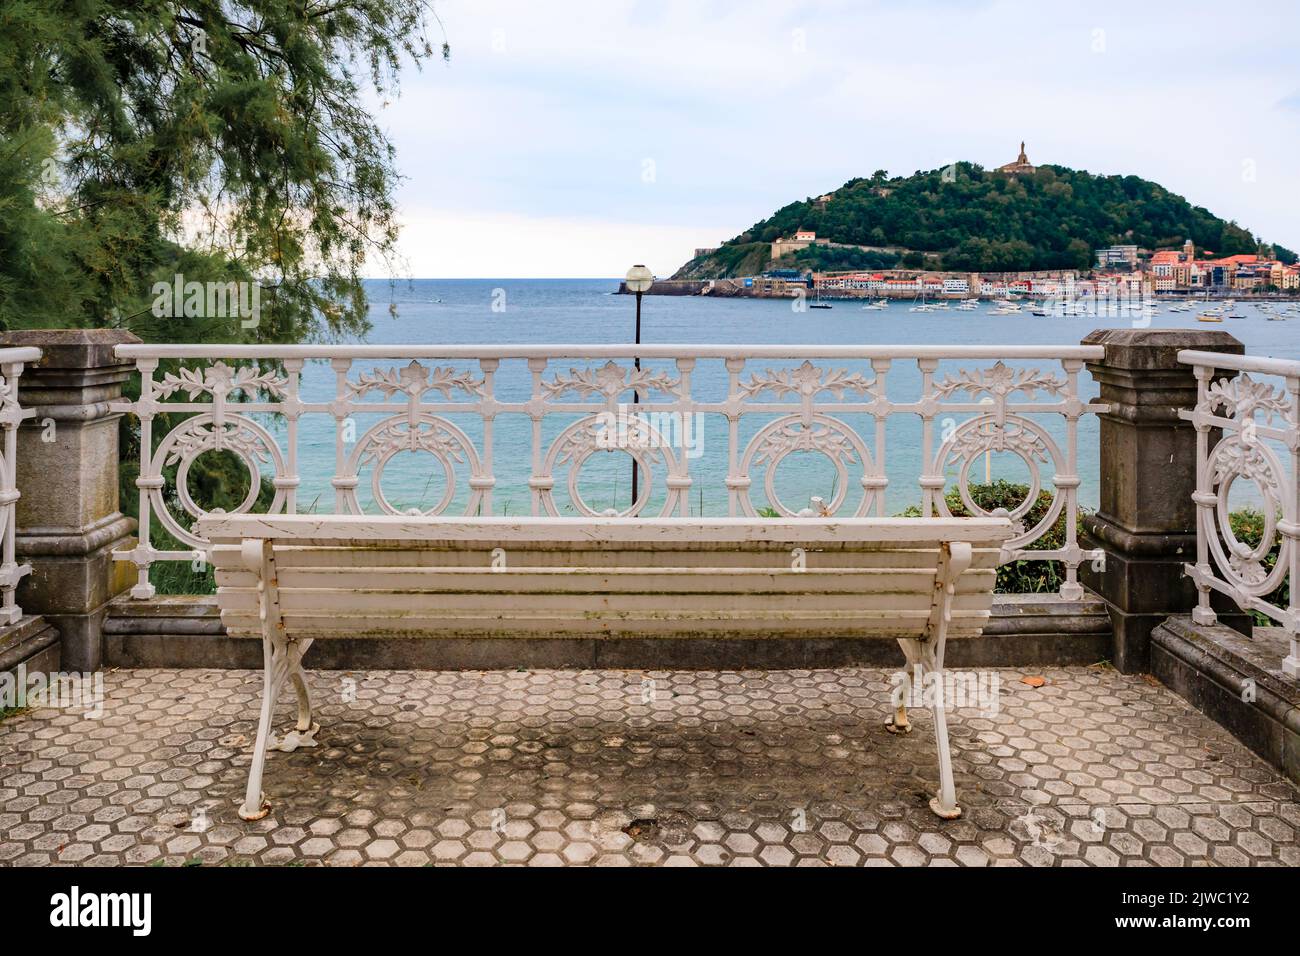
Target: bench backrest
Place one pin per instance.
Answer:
(393, 576)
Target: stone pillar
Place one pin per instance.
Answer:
(1146, 519)
(68, 517)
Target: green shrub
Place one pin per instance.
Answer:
(1248, 527)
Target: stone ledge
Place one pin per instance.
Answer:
(32, 641)
(1149, 350)
(1212, 668)
(186, 631)
(111, 530)
(80, 350)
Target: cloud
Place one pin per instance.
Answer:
(451, 244)
(553, 114)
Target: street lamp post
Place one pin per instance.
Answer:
(638, 281)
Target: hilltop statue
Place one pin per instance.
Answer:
(1021, 165)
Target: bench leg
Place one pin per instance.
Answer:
(945, 804)
(304, 703)
(255, 807)
(898, 723)
(922, 655)
(282, 660)
(304, 731)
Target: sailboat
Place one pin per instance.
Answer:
(920, 304)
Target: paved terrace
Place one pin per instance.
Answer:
(552, 767)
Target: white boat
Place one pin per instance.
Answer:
(919, 304)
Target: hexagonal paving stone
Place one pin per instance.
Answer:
(553, 768)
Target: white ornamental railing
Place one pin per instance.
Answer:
(506, 424)
(1247, 427)
(12, 415)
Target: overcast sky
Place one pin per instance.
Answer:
(575, 137)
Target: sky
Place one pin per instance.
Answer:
(573, 138)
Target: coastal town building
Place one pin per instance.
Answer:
(1121, 271)
(1117, 256)
(802, 239)
(912, 282)
(1187, 269)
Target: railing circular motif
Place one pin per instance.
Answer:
(587, 436)
(252, 444)
(985, 434)
(784, 436)
(447, 443)
(1240, 564)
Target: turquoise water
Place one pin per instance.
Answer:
(584, 311)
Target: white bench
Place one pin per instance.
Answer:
(294, 579)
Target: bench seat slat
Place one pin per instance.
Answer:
(718, 581)
(908, 624)
(519, 557)
(591, 601)
(456, 532)
(523, 556)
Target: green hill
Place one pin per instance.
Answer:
(968, 218)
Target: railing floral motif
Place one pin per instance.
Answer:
(530, 418)
(1248, 431)
(12, 415)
